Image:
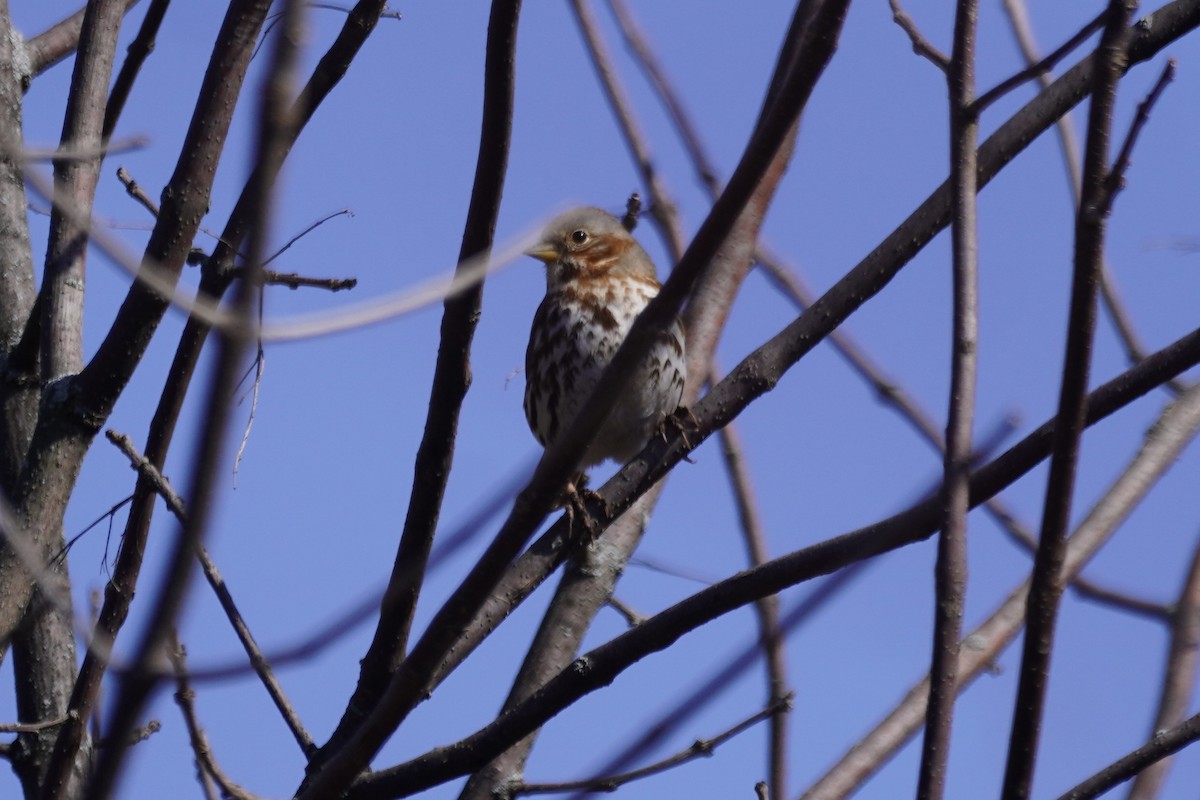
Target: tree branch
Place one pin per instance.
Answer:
(600, 666)
(452, 377)
(1046, 582)
(1177, 425)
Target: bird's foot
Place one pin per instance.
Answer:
(683, 420)
(574, 502)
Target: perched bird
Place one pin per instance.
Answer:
(598, 279)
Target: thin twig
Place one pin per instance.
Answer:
(920, 45)
(185, 698)
(1038, 69)
(34, 727)
(771, 634)
(134, 190)
(1115, 306)
(699, 748)
(662, 206)
(632, 617)
(1115, 180)
(135, 55)
(1162, 745)
(1179, 680)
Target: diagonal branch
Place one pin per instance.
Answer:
(1177, 425)
(600, 666)
(759, 372)
(258, 661)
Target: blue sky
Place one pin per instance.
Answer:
(312, 525)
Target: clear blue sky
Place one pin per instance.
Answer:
(312, 525)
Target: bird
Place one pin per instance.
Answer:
(598, 279)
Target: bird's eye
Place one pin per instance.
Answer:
(579, 237)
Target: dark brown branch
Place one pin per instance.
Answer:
(600, 666)
(1115, 306)
(408, 686)
(762, 369)
(1046, 582)
(135, 55)
(699, 748)
(1042, 67)
(293, 280)
(1175, 698)
(1162, 745)
(451, 380)
(1115, 180)
(950, 571)
(1175, 428)
(920, 45)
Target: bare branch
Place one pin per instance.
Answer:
(275, 133)
(920, 44)
(1175, 698)
(699, 748)
(1163, 744)
(57, 42)
(600, 666)
(1117, 312)
(185, 698)
(1039, 69)
(135, 55)
(450, 382)
(950, 572)
(1115, 180)
(1046, 583)
(662, 206)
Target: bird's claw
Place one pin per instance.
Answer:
(574, 502)
(681, 419)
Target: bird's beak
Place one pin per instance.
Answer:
(544, 252)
